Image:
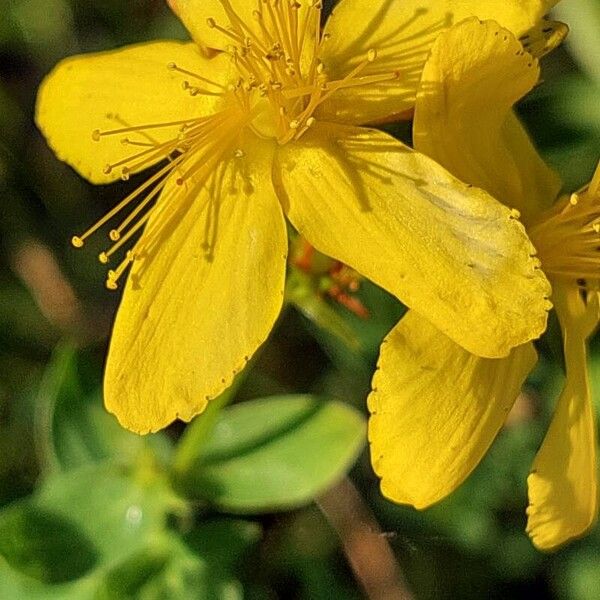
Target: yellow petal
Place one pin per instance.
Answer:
(449, 251)
(402, 32)
(189, 322)
(563, 490)
(464, 119)
(195, 15)
(111, 90)
(435, 410)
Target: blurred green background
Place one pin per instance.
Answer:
(225, 509)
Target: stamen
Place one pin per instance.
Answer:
(280, 73)
(194, 90)
(116, 234)
(568, 235)
(128, 142)
(104, 257)
(174, 67)
(236, 37)
(238, 23)
(97, 134)
(78, 240)
(114, 275)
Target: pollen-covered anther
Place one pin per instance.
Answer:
(111, 283)
(113, 275)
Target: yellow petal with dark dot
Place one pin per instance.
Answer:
(202, 297)
(449, 251)
(115, 90)
(435, 410)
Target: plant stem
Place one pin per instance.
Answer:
(365, 546)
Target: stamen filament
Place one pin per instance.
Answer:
(174, 67)
(97, 134)
(78, 241)
(116, 234)
(104, 257)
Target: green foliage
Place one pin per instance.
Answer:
(90, 511)
(102, 531)
(275, 453)
(106, 523)
(73, 427)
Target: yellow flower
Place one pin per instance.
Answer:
(265, 128)
(436, 407)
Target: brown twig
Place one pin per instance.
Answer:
(366, 548)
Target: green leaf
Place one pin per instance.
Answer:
(276, 453)
(46, 550)
(77, 526)
(222, 542)
(200, 565)
(43, 545)
(583, 19)
(73, 427)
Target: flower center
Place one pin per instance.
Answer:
(567, 236)
(280, 74)
(280, 82)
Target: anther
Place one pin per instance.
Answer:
(107, 169)
(111, 282)
(76, 242)
(103, 258)
(371, 55)
(114, 235)
(211, 22)
(239, 153)
(96, 135)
